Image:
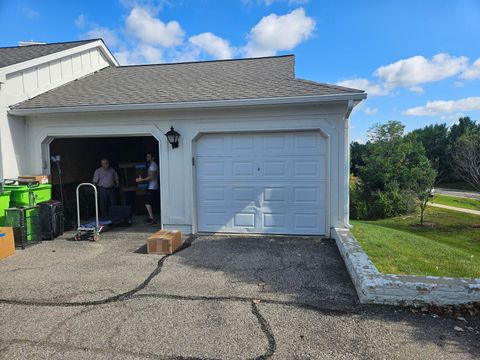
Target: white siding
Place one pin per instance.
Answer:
(27, 83)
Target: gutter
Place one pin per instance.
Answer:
(312, 99)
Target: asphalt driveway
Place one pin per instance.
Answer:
(221, 297)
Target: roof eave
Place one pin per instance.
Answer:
(292, 100)
(51, 57)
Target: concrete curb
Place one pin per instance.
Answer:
(374, 287)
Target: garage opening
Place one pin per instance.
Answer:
(80, 157)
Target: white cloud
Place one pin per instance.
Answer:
(364, 84)
(99, 32)
(153, 31)
(418, 70)
(473, 72)
(152, 6)
(146, 38)
(370, 111)
(275, 33)
(416, 89)
(443, 107)
(212, 45)
(80, 21)
(150, 53)
(139, 55)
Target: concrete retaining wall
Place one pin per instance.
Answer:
(374, 287)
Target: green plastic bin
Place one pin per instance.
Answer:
(20, 194)
(4, 204)
(26, 225)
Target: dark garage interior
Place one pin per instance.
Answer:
(80, 157)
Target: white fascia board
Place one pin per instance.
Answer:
(312, 99)
(58, 55)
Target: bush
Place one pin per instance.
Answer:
(395, 173)
(379, 204)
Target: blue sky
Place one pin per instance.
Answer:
(418, 60)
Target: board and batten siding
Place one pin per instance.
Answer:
(32, 81)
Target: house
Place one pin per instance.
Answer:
(260, 151)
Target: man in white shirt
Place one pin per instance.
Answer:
(152, 195)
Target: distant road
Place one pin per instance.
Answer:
(458, 193)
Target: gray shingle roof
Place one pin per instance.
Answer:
(184, 82)
(17, 54)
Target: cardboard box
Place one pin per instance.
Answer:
(164, 242)
(7, 242)
(42, 179)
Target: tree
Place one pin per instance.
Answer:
(435, 140)
(463, 126)
(357, 153)
(390, 131)
(466, 155)
(396, 173)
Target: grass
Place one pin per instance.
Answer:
(449, 247)
(459, 202)
(464, 203)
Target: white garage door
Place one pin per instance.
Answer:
(262, 183)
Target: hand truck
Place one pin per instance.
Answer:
(92, 229)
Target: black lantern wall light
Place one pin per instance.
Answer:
(172, 137)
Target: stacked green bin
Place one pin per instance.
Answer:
(20, 194)
(26, 225)
(4, 204)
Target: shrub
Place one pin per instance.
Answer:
(396, 173)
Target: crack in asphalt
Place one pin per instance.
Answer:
(267, 331)
(304, 306)
(132, 294)
(111, 299)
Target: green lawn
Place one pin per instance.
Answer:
(464, 203)
(451, 247)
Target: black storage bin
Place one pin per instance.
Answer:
(51, 218)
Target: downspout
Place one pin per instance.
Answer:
(346, 176)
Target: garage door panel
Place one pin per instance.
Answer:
(263, 183)
(220, 193)
(242, 168)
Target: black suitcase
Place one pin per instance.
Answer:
(51, 219)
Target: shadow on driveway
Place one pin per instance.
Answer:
(303, 269)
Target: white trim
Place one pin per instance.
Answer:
(290, 100)
(57, 55)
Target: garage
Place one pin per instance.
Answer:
(80, 157)
(257, 150)
(262, 183)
